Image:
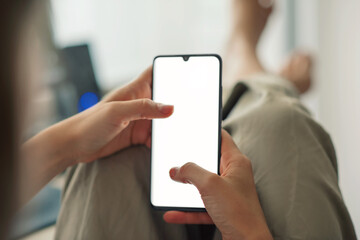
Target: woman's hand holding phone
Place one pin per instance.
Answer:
(230, 199)
(120, 120)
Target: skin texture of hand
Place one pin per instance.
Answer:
(230, 199)
(120, 120)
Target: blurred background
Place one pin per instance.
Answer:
(101, 45)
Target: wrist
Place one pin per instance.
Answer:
(54, 146)
(61, 144)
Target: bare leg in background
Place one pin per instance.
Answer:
(249, 19)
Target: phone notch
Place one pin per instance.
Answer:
(186, 58)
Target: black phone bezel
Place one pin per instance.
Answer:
(187, 56)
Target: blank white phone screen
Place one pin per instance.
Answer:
(191, 134)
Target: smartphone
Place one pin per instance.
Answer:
(192, 83)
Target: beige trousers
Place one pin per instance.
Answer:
(294, 165)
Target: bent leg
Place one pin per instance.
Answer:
(109, 199)
(293, 160)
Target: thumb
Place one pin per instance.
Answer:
(142, 109)
(193, 174)
(227, 143)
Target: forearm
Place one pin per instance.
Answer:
(42, 158)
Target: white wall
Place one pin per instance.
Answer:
(339, 91)
(125, 35)
(330, 29)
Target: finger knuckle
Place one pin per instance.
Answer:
(243, 161)
(227, 155)
(211, 181)
(145, 102)
(246, 162)
(185, 168)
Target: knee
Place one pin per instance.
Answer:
(130, 158)
(283, 111)
(270, 115)
(132, 163)
(130, 166)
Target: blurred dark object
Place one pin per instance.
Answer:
(237, 92)
(79, 90)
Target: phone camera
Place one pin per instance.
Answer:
(186, 58)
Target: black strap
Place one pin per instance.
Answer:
(237, 92)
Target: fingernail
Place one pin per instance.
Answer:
(165, 109)
(173, 172)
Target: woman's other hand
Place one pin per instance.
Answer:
(120, 120)
(230, 199)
